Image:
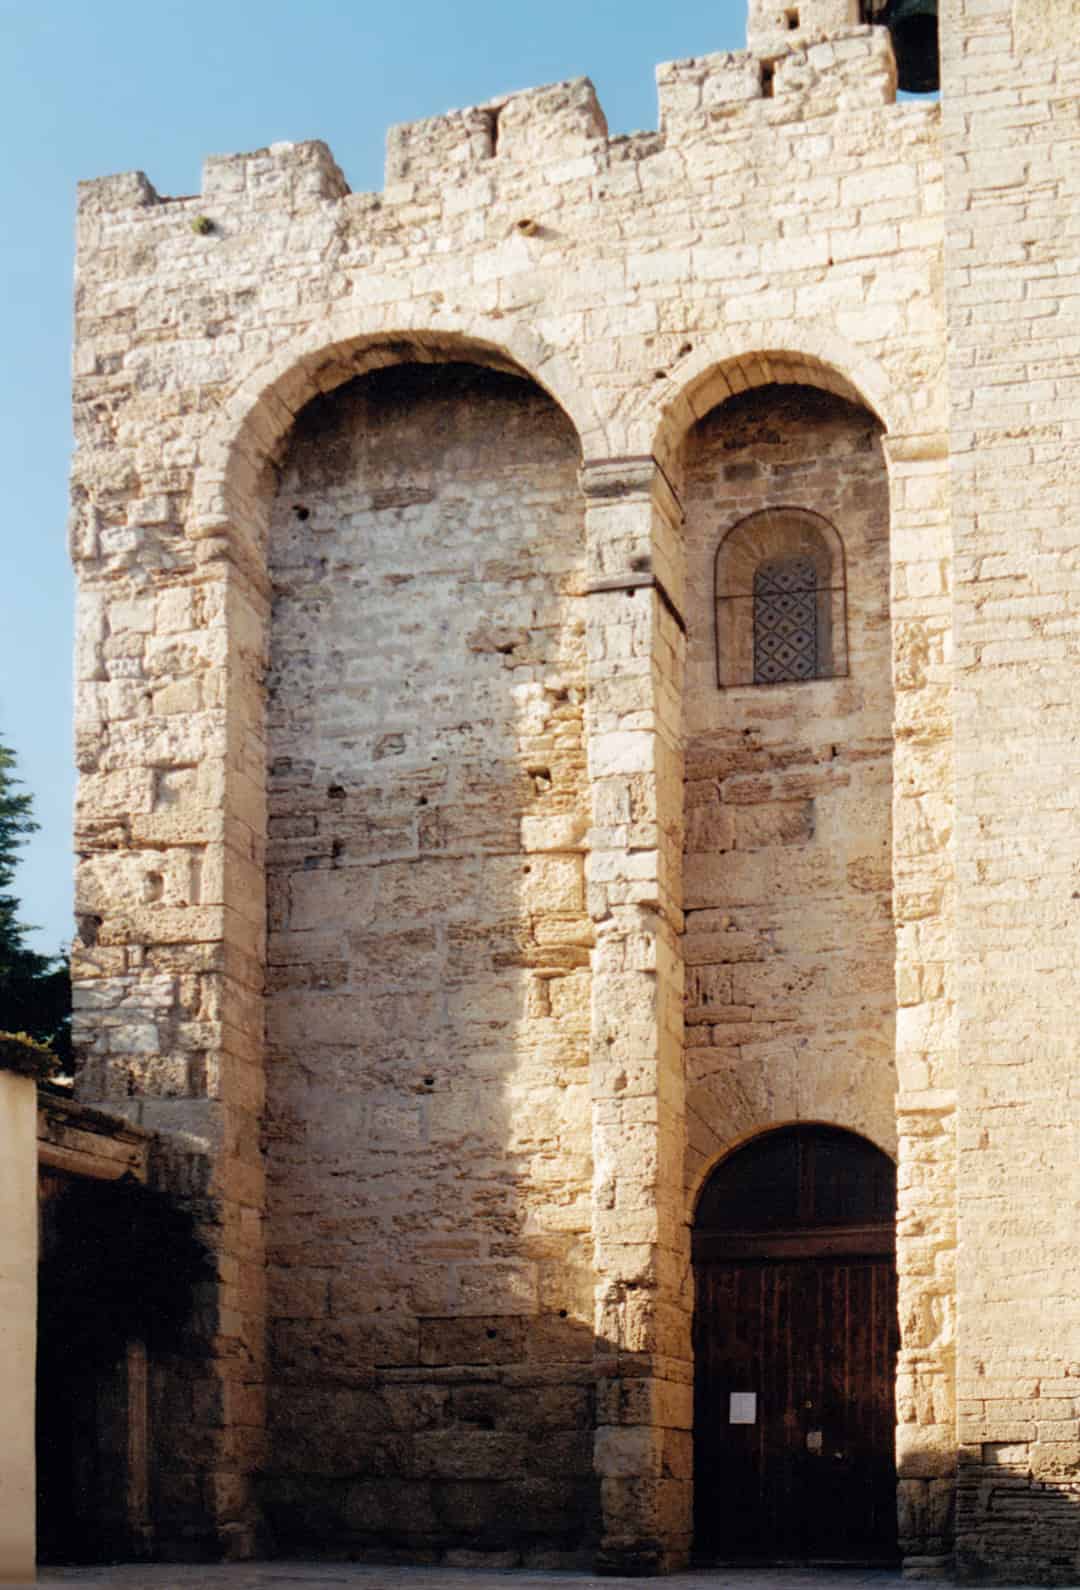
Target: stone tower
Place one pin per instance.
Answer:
(576, 674)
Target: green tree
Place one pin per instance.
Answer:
(35, 990)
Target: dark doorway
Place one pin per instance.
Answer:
(82, 1408)
(795, 1336)
(72, 1492)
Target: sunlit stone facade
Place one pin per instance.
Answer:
(452, 903)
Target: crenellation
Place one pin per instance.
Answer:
(559, 130)
(125, 191)
(280, 174)
(845, 74)
(687, 90)
(772, 27)
(434, 147)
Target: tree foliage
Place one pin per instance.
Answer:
(35, 990)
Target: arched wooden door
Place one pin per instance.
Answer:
(796, 1336)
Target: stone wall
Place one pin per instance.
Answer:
(782, 226)
(428, 1112)
(1010, 78)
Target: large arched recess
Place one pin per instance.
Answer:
(230, 488)
(232, 492)
(788, 787)
(795, 1338)
(415, 502)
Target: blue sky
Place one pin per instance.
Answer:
(119, 85)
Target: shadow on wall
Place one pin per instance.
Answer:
(434, 1368)
(428, 1118)
(127, 1305)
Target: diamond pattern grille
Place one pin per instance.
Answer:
(785, 621)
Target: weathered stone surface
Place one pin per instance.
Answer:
(788, 800)
(433, 895)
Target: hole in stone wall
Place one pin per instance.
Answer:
(301, 512)
(768, 79)
(791, 18)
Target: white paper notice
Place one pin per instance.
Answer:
(743, 1409)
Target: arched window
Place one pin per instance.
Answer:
(781, 601)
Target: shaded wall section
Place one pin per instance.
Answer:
(428, 1117)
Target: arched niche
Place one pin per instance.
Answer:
(238, 456)
(723, 365)
(428, 986)
(789, 945)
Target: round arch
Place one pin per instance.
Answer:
(783, 352)
(743, 1139)
(754, 1156)
(771, 537)
(249, 431)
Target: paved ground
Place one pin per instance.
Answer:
(280, 1575)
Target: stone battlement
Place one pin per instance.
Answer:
(558, 130)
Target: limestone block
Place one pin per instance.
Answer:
(689, 90)
(554, 122)
(770, 25)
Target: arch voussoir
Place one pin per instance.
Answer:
(254, 422)
(782, 352)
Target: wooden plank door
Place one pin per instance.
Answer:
(813, 1476)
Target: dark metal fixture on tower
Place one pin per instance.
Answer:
(913, 25)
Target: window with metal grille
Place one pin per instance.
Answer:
(781, 600)
(785, 621)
